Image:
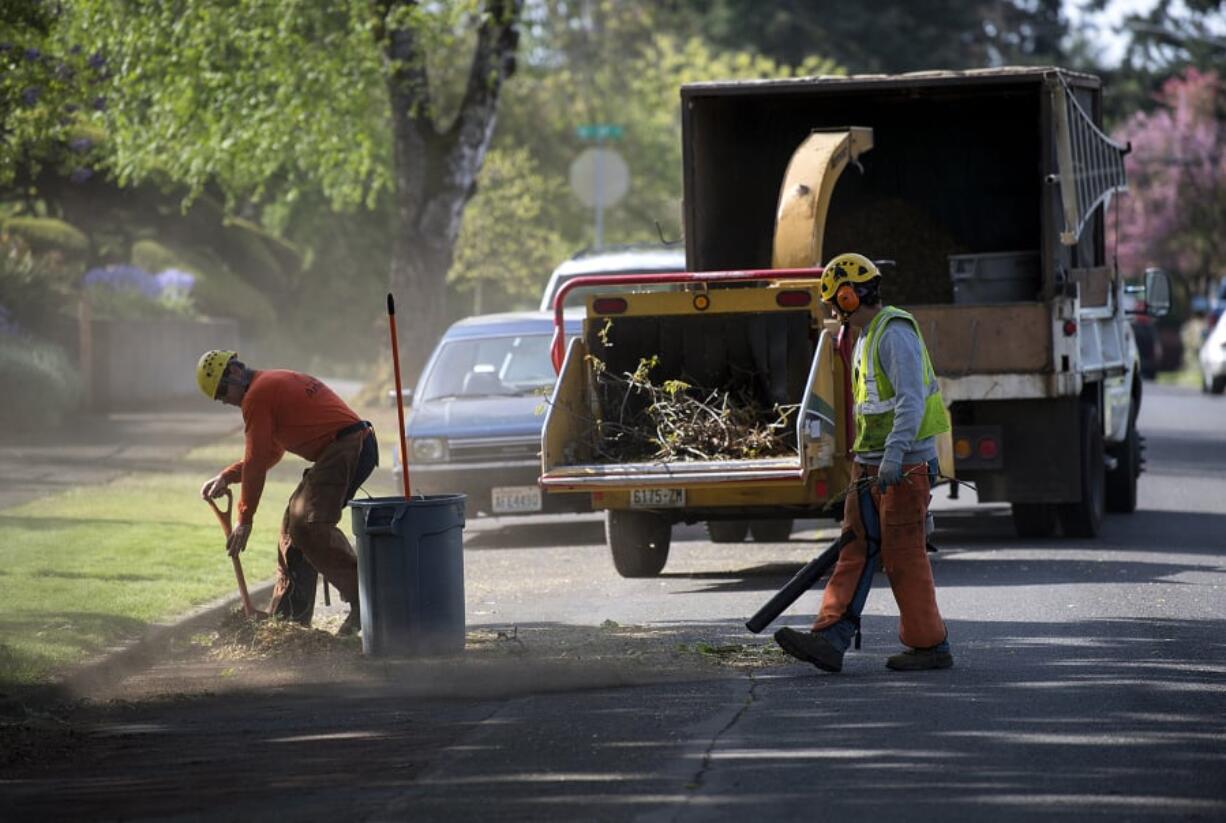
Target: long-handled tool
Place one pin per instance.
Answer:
(224, 517)
(404, 453)
(800, 583)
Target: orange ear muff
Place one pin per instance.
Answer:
(847, 299)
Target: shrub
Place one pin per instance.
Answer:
(48, 234)
(35, 288)
(151, 255)
(41, 384)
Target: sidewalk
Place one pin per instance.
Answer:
(96, 449)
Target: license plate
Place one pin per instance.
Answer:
(657, 498)
(515, 499)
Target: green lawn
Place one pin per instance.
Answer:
(84, 569)
(93, 566)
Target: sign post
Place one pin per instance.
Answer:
(599, 176)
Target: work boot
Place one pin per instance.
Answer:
(353, 623)
(811, 647)
(916, 660)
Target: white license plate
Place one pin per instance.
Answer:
(657, 498)
(516, 499)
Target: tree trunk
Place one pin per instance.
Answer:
(435, 170)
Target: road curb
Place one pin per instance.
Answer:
(114, 664)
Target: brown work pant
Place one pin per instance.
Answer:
(309, 532)
(904, 553)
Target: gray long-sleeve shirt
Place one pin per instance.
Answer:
(902, 359)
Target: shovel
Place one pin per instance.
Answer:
(223, 517)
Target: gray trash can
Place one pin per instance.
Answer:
(411, 573)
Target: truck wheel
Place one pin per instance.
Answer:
(770, 531)
(1085, 517)
(1122, 480)
(1218, 385)
(1034, 519)
(727, 531)
(638, 541)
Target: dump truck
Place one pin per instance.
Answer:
(986, 191)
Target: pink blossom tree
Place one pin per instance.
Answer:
(1175, 213)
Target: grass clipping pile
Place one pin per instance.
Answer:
(241, 638)
(664, 650)
(675, 421)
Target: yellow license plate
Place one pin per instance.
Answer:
(657, 498)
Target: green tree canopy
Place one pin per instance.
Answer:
(886, 36)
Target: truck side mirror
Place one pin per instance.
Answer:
(1157, 293)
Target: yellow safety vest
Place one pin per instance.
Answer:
(875, 398)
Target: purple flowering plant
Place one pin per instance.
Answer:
(175, 282)
(125, 290)
(123, 277)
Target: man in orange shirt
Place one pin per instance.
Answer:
(289, 411)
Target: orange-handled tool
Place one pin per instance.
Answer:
(224, 517)
(404, 451)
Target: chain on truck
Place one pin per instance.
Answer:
(989, 190)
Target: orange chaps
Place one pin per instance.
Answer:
(898, 533)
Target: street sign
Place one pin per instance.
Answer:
(599, 177)
(598, 131)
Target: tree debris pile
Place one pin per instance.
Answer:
(674, 421)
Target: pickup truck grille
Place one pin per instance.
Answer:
(476, 450)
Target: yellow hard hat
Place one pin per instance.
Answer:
(209, 370)
(846, 268)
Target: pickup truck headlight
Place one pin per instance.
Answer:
(428, 449)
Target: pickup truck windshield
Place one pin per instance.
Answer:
(490, 366)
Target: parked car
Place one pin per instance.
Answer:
(617, 260)
(1217, 307)
(1213, 358)
(474, 425)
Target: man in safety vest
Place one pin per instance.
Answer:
(898, 413)
(288, 411)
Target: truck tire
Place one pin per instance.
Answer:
(1218, 385)
(638, 541)
(1085, 517)
(1122, 480)
(1034, 519)
(770, 531)
(727, 531)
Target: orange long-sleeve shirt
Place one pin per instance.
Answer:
(283, 411)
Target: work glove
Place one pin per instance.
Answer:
(890, 474)
(237, 541)
(213, 487)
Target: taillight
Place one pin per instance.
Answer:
(1070, 328)
(962, 448)
(987, 448)
(609, 305)
(793, 299)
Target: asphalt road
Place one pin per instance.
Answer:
(1090, 683)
